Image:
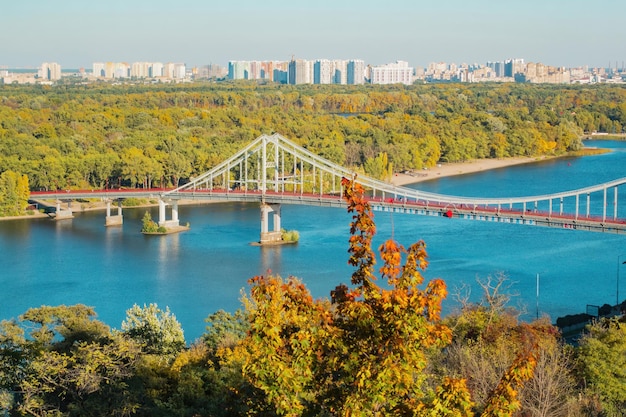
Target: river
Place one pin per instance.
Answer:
(200, 271)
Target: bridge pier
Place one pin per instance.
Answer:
(275, 235)
(116, 220)
(62, 214)
(163, 222)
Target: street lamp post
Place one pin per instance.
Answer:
(617, 280)
(537, 296)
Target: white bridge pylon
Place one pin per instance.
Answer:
(274, 170)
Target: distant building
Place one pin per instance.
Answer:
(340, 71)
(238, 70)
(513, 66)
(355, 72)
(323, 72)
(156, 70)
(300, 71)
(50, 71)
(211, 71)
(174, 71)
(395, 73)
(111, 70)
(140, 69)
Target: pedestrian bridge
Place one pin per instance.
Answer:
(273, 170)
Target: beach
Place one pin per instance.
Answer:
(458, 168)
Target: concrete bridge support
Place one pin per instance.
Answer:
(174, 222)
(61, 213)
(275, 235)
(116, 220)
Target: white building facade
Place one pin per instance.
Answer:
(398, 72)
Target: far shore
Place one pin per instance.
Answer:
(440, 171)
(459, 168)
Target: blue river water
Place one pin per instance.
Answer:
(205, 269)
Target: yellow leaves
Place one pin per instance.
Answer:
(545, 146)
(452, 399)
(503, 402)
(196, 354)
(391, 254)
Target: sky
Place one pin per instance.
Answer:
(76, 33)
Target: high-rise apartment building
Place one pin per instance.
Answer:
(258, 70)
(49, 71)
(513, 66)
(211, 71)
(355, 72)
(323, 72)
(300, 71)
(398, 72)
(140, 69)
(111, 70)
(174, 71)
(238, 70)
(340, 71)
(156, 70)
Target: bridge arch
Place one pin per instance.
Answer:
(274, 170)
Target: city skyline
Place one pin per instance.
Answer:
(568, 33)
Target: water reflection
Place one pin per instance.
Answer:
(270, 258)
(168, 253)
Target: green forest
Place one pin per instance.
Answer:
(102, 135)
(378, 347)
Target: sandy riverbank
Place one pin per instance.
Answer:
(459, 168)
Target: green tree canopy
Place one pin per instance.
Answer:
(156, 330)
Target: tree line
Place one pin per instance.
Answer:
(101, 135)
(376, 347)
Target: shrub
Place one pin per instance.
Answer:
(290, 235)
(149, 225)
(133, 202)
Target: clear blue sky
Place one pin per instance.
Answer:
(76, 33)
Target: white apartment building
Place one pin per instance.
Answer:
(110, 70)
(50, 71)
(340, 71)
(398, 72)
(146, 69)
(174, 71)
(156, 70)
(140, 69)
(323, 72)
(238, 70)
(355, 72)
(300, 71)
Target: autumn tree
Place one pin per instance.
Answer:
(492, 348)
(602, 363)
(67, 364)
(366, 352)
(362, 353)
(14, 193)
(379, 167)
(156, 330)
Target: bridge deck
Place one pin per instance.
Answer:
(421, 207)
